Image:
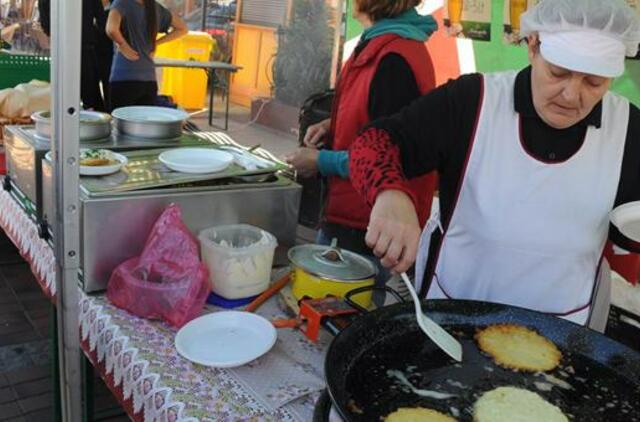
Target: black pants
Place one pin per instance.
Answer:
(89, 83)
(130, 93)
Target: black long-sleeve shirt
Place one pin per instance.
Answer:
(435, 133)
(92, 11)
(387, 98)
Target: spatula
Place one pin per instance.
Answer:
(436, 333)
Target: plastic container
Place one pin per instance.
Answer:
(187, 87)
(16, 69)
(239, 258)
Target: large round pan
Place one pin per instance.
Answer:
(149, 122)
(603, 375)
(93, 125)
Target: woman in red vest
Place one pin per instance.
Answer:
(389, 68)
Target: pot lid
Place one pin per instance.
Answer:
(332, 262)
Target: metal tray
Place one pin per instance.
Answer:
(145, 171)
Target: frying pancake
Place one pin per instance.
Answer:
(519, 348)
(510, 404)
(417, 414)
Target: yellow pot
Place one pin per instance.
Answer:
(321, 271)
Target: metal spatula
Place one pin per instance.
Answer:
(436, 333)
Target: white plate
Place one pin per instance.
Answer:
(150, 114)
(626, 218)
(196, 160)
(104, 170)
(226, 339)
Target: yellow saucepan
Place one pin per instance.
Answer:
(321, 271)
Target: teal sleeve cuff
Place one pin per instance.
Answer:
(334, 163)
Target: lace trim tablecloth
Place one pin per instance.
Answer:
(142, 358)
(23, 232)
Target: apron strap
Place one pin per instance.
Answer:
(423, 248)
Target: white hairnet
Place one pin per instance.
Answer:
(613, 18)
(591, 36)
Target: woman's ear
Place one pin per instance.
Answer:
(533, 42)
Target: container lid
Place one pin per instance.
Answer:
(332, 262)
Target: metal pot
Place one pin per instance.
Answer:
(150, 122)
(320, 271)
(93, 125)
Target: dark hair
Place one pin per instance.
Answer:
(383, 9)
(151, 16)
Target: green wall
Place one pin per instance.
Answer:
(353, 26)
(496, 55)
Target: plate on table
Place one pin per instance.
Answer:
(196, 160)
(100, 162)
(225, 339)
(626, 218)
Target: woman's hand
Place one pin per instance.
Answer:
(304, 161)
(129, 52)
(394, 231)
(315, 133)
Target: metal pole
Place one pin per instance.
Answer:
(204, 15)
(65, 73)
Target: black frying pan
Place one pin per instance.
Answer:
(604, 375)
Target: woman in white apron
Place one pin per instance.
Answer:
(530, 165)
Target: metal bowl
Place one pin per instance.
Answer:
(150, 122)
(93, 125)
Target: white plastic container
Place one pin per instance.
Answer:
(239, 258)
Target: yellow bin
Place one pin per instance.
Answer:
(188, 87)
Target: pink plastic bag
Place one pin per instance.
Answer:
(167, 281)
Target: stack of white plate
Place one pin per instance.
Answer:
(196, 160)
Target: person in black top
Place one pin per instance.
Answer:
(92, 13)
(104, 52)
(529, 164)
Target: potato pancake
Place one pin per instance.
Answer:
(519, 348)
(417, 414)
(511, 404)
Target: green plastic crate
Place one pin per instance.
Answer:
(16, 69)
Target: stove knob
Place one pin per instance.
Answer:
(6, 183)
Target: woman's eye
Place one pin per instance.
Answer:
(559, 73)
(595, 82)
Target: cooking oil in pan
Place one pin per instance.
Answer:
(410, 371)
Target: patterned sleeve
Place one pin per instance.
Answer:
(375, 166)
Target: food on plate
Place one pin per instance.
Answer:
(519, 348)
(417, 414)
(508, 404)
(97, 158)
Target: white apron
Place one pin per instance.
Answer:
(525, 232)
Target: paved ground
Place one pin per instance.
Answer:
(250, 134)
(25, 370)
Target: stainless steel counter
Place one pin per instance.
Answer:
(115, 227)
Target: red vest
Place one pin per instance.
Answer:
(351, 114)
